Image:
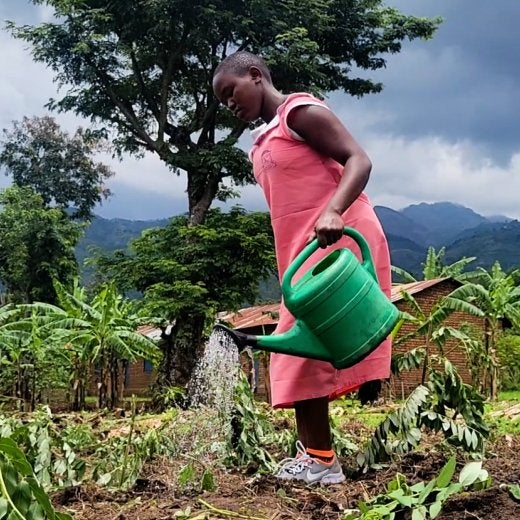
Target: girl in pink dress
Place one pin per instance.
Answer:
(313, 174)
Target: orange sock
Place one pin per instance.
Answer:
(326, 456)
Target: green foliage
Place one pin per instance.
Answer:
(402, 424)
(443, 403)
(120, 460)
(514, 491)
(509, 359)
(21, 496)
(494, 296)
(249, 430)
(434, 267)
(421, 501)
(182, 268)
(457, 409)
(187, 273)
(36, 246)
(57, 166)
(173, 396)
(405, 361)
(194, 476)
(54, 461)
(71, 340)
(30, 365)
(101, 333)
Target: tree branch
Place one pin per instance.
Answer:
(152, 105)
(167, 81)
(126, 110)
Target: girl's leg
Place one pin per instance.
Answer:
(312, 421)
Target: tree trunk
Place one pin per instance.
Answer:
(181, 351)
(494, 375)
(484, 386)
(104, 382)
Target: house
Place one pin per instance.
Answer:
(263, 319)
(138, 376)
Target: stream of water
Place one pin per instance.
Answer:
(216, 375)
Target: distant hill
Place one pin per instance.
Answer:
(443, 220)
(409, 231)
(111, 234)
(397, 224)
(488, 242)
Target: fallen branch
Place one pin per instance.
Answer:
(225, 512)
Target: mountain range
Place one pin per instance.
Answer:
(410, 231)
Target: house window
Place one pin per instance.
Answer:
(147, 366)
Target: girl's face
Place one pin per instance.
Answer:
(241, 94)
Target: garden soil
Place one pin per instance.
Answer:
(239, 495)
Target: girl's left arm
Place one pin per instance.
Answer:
(325, 133)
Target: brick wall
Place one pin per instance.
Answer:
(402, 386)
(138, 379)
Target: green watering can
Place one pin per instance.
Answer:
(341, 313)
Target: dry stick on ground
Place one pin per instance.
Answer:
(225, 512)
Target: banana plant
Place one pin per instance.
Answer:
(434, 267)
(493, 296)
(101, 334)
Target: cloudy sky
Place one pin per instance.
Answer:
(445, 128)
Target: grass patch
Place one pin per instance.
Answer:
(510, 395)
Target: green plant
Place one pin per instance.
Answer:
(493, 296)
(54, 461)
(21, 496)
(121, 459)
(402, 424)
(173, 397)
(514, 491)
(197, 476)
(509, 359)
(421, 501)
(250, 430)
(446, 405)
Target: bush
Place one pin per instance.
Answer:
(509, 356)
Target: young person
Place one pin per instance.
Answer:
(313, 173)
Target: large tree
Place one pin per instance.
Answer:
(58, 166)
(143, 68)
(36, 246)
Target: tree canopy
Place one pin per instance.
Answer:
(185, 270)
(36, 246)
(144, 68)
(58, 166)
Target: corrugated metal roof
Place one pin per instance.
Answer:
(413, 287)
(151, 331)
(252, 316)
(268, 314)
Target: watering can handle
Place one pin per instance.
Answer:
(310, 248)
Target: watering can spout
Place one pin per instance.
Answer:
(241, 340)
(298, 341)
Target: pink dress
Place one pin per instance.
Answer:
(297, 183)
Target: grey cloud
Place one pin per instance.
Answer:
(462, 84)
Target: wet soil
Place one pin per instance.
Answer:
(157, 496)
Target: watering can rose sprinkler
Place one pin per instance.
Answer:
(341, 313)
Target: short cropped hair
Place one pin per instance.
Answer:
(240, 62)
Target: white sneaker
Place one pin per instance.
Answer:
(309, 470)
